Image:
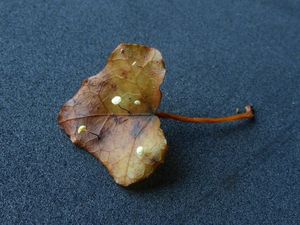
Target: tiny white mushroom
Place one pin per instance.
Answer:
(137, 102)
(81, 129)
(140, 151)
(116, 100)
(133, 63)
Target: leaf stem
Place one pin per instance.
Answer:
(248, 114)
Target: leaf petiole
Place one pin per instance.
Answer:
(248, 114)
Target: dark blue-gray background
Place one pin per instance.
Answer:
(219, 54)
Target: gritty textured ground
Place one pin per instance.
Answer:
(219, 54)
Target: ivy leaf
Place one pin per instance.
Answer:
(112, 116)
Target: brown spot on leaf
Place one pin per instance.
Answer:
(113, 87)
(124, 74)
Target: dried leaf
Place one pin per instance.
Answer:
(117, 108)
